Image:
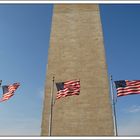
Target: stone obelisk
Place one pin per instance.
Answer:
(77, 52)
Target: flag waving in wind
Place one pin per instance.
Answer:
(8, 91)
(126, 87)
(68, 88)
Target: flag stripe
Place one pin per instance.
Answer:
(64, 95)
(4, 98)
(134, 84)
(67, 91)
(128, 93)
(72, 81)
(123, 91)
(128, 87)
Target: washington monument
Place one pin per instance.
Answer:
(76, 51)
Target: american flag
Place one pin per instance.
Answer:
(126, 87)
(8, 91)
(68, 88)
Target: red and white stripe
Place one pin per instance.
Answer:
(132, 87)
(12, 88)
(6, 96)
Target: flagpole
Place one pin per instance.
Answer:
(114, 108)
(51, 108)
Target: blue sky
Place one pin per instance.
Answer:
(121, 27)
(24, 42)
(24, 39)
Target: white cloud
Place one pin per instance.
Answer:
(133, 109)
